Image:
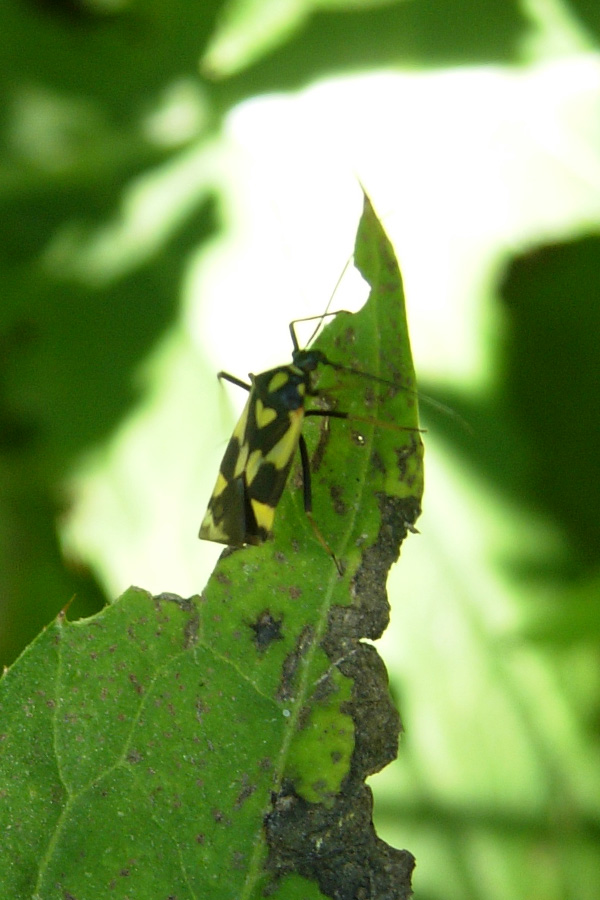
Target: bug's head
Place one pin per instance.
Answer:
(308, 360)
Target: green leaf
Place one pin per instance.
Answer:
(171, 747)
(131, 759)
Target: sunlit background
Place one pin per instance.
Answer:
(196, 215)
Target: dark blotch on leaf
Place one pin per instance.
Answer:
(377, 463)
(368, 616)
(266, 630)
(403, 455)
(337, 847)
(336, 497)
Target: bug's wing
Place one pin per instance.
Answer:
(224, 520)
(225, 517)
(267, 472)
(253, 472)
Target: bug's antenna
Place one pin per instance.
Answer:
(446, 410)
(330, 301)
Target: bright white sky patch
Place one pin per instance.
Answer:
(462, 165)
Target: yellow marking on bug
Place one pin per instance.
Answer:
(279, 380)
(241, 461)
(264, 414)
(220, 485)
(255, 461)
(283, 451)
(211, 530)
(264, 515)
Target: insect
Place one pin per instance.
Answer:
(261, 451)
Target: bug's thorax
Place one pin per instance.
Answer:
(282, 388)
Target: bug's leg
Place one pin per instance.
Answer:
(225, 376)
(324, 315)
(307, 489)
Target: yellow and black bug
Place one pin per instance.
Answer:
(260, 453)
